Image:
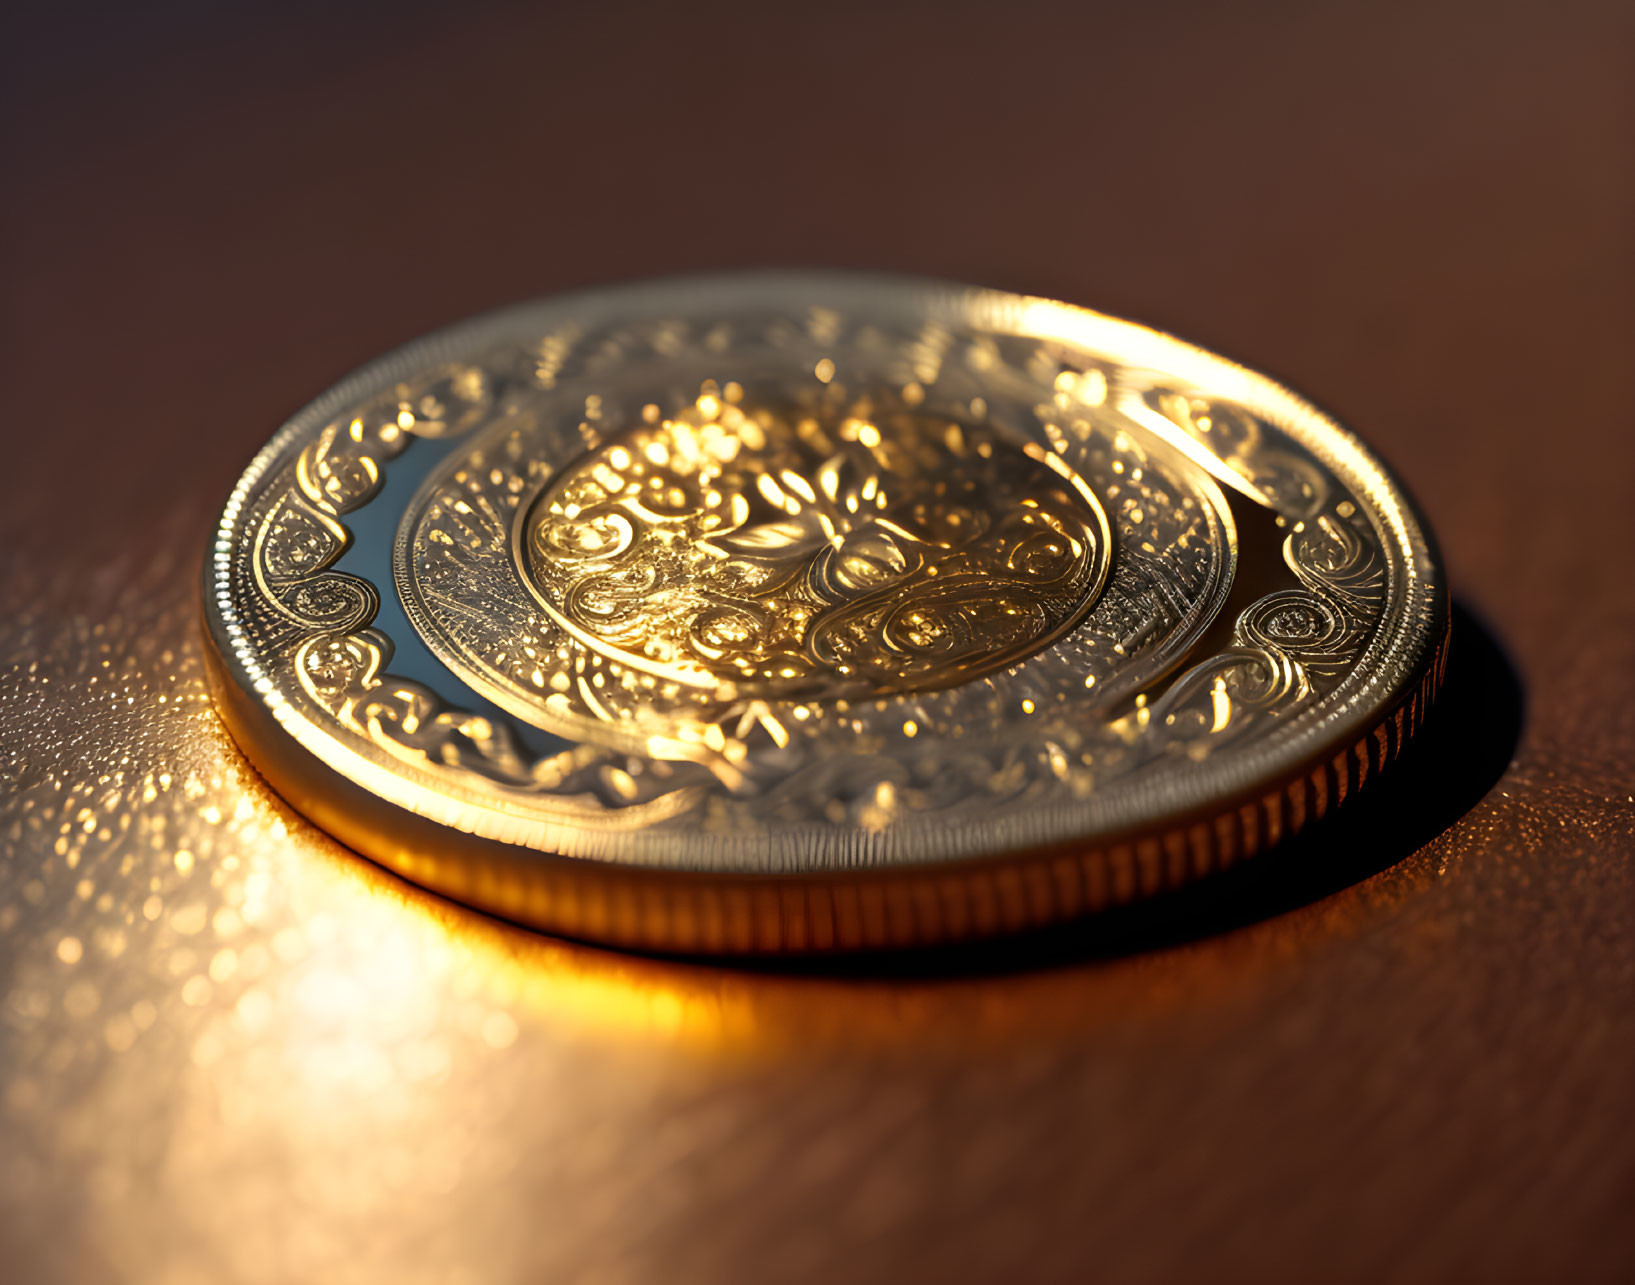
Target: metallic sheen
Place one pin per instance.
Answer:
(804, 612)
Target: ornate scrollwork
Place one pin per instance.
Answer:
(340, 470)
(750, 581)
(773, 600)
(340, 664)
(345, 674)
(952, 579)
(1287, 646)
(331, 600)
(757, 556)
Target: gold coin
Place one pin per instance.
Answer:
(810, 612)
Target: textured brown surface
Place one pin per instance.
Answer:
(1404, 1049)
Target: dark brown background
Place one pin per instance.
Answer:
(1404, 1050)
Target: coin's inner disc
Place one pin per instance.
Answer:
(788, 556)
(774, 576)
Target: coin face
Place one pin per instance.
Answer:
(806, 611)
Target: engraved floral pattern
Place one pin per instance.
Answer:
(783, 630)
(750, 554)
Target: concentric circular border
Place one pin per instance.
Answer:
(1256, 797)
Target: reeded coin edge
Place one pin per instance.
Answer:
(847, 911)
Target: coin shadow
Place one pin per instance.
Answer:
(1459, 754)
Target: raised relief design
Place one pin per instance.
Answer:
(763, 555)
(748, 582)
(339, 471)
(1288, 647)
(846, 605)
(345, 674)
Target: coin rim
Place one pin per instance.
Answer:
(649, 906)
(709, 913)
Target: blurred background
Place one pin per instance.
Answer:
(1406, 1053)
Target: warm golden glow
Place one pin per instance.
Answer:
(780, 555)
(217, 1017)
(903, 594)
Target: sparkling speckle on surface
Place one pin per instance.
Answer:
(233, 1051)
(1424, 1075)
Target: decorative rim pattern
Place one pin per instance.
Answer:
(966, 885)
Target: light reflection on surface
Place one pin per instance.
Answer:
(235, 1051)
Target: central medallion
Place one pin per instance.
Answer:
(796, 556)
(755, 576)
